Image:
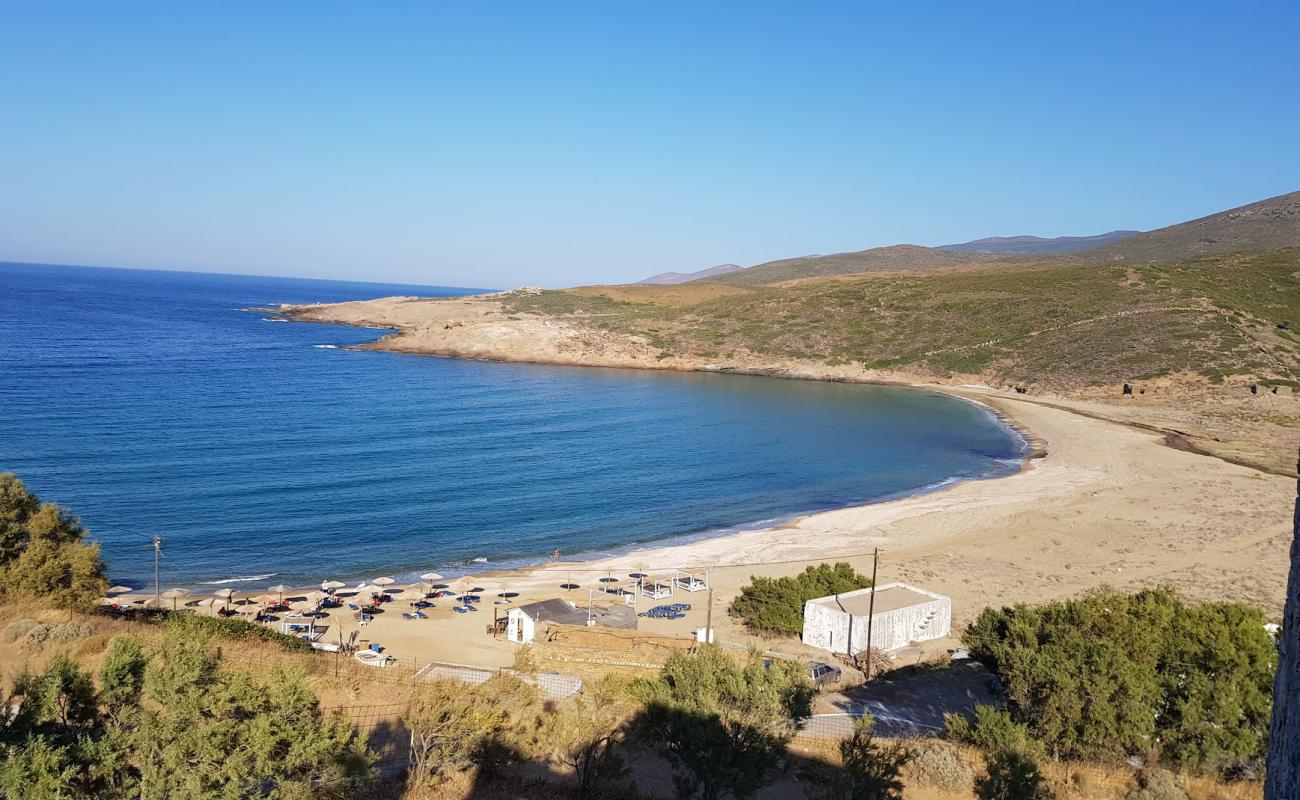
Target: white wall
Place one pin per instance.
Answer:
(827, 627)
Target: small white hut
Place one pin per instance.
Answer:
(901, 614)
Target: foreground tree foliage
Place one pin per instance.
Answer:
(776, 604)
(43, 552)
(177, 725)
(723, 722)
(1110, 675)
(871, 770)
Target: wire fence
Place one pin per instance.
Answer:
(400, 670)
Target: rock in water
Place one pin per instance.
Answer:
(1283, 779)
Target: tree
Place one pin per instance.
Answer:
(453, 726)
(587, 736)
(723, 722)
(1012, 775)
(1109, 675)
(43, 552)
(776, 604)
(871, 771)
(221, 732)
(205, 731)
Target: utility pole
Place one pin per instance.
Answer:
(708, 620)
(157, 583)
(871, 607)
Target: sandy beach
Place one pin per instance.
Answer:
(1106, 504)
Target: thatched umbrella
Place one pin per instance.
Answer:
(332, 586)
(279, 589)
(430, 576)
(175, 594)
(119, 590)
(384, 581)
(225, 594)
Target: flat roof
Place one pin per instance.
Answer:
(890, 598)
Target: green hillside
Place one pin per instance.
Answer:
(1052, 324)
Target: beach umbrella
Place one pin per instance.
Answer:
(384, 581)
(507, 596)
(331, 586)
(119, 590)
(279, 589)
(430, 576)
(412, 595)
(224, 594)
(316, 597)
(266, 599)
(175, 594)
(148, 602)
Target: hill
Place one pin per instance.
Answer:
(877, 259)
(669, 278)
(1270, 224)
(1037, 245)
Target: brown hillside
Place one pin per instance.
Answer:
(1270, 224)
(877, 259)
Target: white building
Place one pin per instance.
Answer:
(524, 623)
(901, 615)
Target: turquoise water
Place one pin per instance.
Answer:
(150, 404)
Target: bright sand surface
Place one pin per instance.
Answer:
(1108, 504)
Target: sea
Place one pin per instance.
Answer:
(156, 404)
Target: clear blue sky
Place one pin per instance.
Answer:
(496, 144)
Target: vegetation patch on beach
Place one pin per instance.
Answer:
(775, 605)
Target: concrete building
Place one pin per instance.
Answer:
(524, 623)
(902, 614)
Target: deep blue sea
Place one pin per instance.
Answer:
(149, 403)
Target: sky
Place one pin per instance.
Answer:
(552, 144)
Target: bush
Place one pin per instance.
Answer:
(43, 552)
(723, 722)
(992, 731)
(1012, 776)
(870, 771)
(938, 765)
(776, 604)
(1109, 675)
(1154, 783)
(232, 628)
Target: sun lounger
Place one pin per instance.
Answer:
(415, 615)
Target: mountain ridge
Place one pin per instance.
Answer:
(1037, 245)
(672, 278)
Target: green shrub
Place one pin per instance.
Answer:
(43, 552)
(992, 731)
(722, 722)
(1109, 675)
(232, 628)
(776, 604)
(870, 770)
(1011, 775)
